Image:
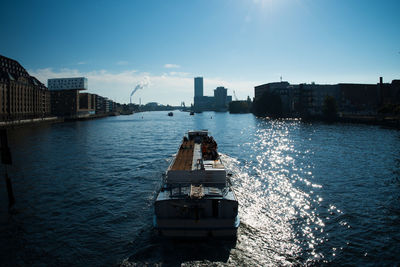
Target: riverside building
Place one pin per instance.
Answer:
(201, 102)
(79, 83)
(21, 96)
(198, 87)
(351, 98)
(65, 95)
(221, 98)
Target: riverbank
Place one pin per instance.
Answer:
(392, 122)
(29, 122)
(54, 119)
(90, 116)
(385, 121)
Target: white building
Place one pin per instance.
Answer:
(78, 83)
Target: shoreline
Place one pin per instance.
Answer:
(388, 121)
(30, 122)
(53, 119)
(392, 122)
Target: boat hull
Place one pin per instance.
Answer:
(179, 228)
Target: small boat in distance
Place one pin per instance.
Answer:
(196, 198)
(191, 113)
(170, 114)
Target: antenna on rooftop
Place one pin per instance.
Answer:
(281, 78)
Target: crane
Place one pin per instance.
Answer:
(234, 94)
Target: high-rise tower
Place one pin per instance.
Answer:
(198, 87)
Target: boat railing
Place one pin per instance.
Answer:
(184, 190)
(178, 194)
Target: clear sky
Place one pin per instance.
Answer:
(233, 43)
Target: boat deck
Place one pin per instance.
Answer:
(184, 158)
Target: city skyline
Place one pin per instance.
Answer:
(235, 44)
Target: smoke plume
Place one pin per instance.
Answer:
(141, 85)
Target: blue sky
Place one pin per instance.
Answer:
(234, 43)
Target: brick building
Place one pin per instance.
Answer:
(87, 103)
(65, 102)
(21, 95)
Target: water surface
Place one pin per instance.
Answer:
(308, 193)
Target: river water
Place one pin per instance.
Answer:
(309, 193)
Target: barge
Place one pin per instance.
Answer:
(196, 198)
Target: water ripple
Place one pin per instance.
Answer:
(309, 193)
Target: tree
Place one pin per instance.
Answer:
(269, 104)
(329, 109)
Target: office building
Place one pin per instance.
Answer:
(198, 87)
(218, 102)
(78, 83)
(204, 103)
(65, 95)
(220, 98)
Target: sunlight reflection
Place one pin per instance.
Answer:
(275, 211)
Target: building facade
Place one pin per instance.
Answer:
(198, 87)
(87, 103)
(103, 105)
(390, 92)
(204, 103)
(218, 102)
(314, 95)
(359, 98)
(100, 106)
(21, 95)
(289, 94)
(65, 95)
(65, 103)
(201, 102)
(362, 99)
(221, 99)
(78, 83)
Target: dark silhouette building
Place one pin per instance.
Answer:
(201, 102)
(87, 103)
(221, 98)
(218, 102)
(198, 87)
(350, 98)
(65, 102)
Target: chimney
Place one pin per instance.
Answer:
(379, 91)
